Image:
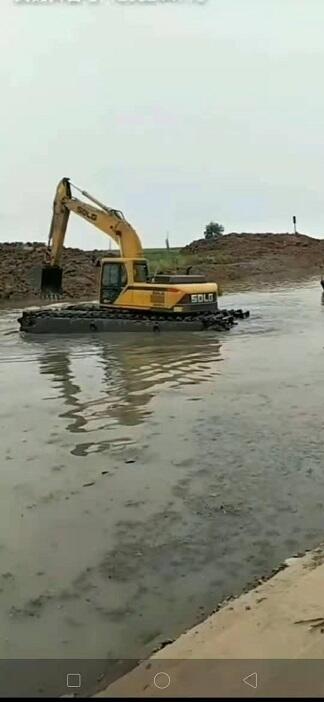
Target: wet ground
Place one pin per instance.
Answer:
(144, 479)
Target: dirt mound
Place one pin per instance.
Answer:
(228, 259)
(18, 260)
(235, 257)
(254, 244)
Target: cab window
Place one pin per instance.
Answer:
(114, 279)
(140, 272)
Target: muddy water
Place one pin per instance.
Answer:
(143, 479)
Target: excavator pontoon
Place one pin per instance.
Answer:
(129, 298)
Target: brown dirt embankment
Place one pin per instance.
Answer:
(257, 258)
(243, 259)
(18, 261)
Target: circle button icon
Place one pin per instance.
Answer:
(162, 680)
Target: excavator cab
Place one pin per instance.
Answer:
(113, 280)
(118, 274)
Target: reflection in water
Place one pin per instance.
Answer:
(219, 493)
(131, 376)
(58, 365)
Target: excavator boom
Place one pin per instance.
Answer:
(108, 220)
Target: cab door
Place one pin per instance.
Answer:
(113, 281)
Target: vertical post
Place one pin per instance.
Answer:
(167, 243)
(295, 224)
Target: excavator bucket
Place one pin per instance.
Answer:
(51, 280)
(47, 280)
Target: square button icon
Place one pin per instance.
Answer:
(73, 680)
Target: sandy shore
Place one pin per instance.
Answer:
(272, 636)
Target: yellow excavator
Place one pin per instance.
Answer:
(124, 281)
(128, 294)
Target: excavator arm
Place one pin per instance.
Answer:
(110, 221)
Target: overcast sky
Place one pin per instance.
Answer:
(175, 112)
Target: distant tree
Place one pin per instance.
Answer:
(213, 230)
